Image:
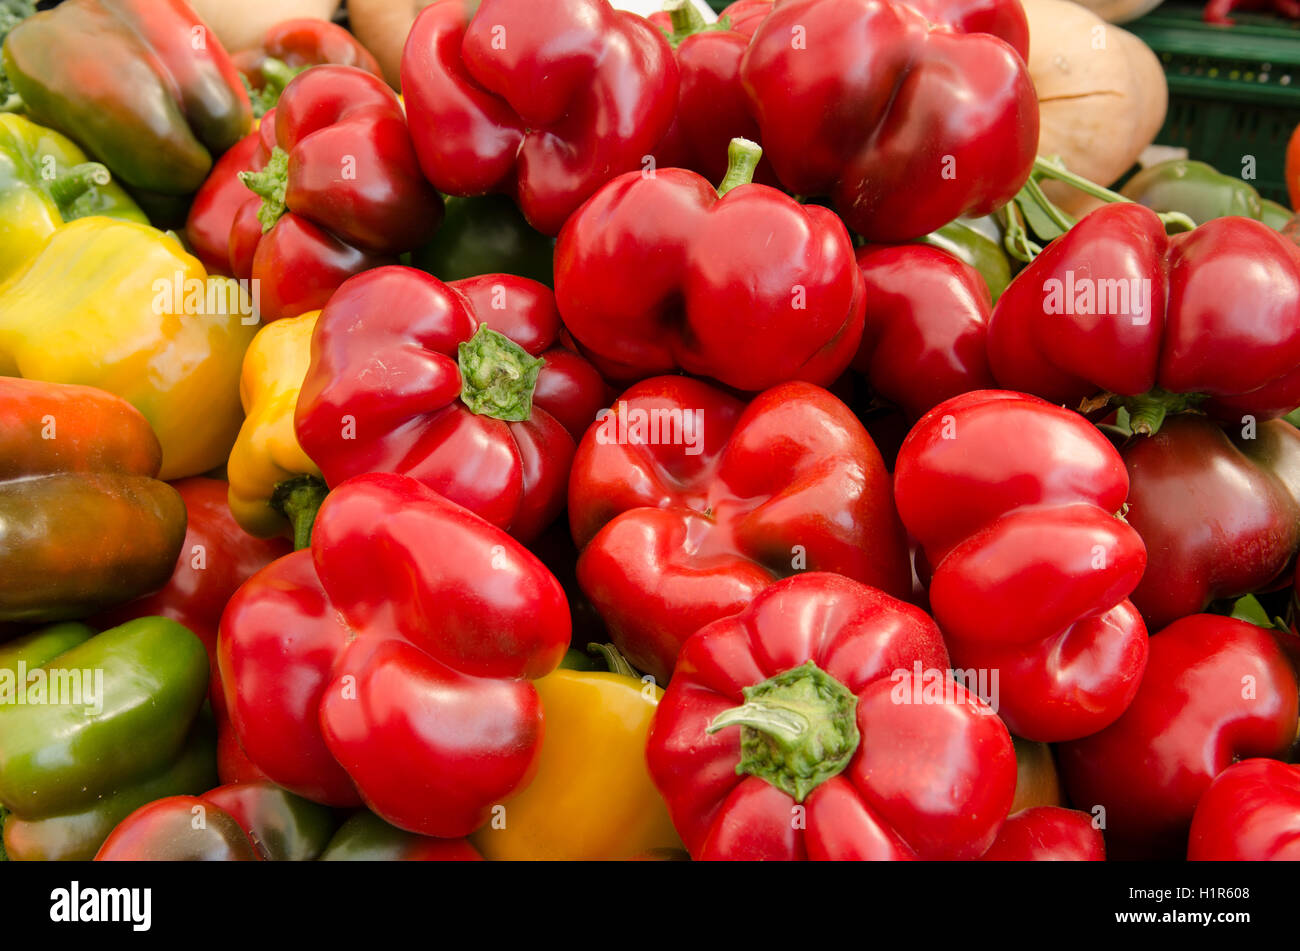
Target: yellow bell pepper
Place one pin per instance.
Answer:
(592, 797)
(122, 306)
(45, 181)
(266, 453)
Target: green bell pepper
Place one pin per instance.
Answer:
(1201, 192)
(93, 726)
(486, 234)
(973, 243)
(143, 85)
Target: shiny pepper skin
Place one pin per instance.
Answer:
(1014, 504)
(858, 779)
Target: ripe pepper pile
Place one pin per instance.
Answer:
(633, 438)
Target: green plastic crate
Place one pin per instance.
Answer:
(1233, 90)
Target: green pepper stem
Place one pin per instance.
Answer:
(742, 159)
(797, 729)
(269, 184)
(299, 499)
(614, 660)
(1016, 238)
(76, 181)
(1147, 411)
(687, 20)
(497, 376)
(759, 715)
(1056, 170)
(277, 73)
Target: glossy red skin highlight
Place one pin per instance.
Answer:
(1188, 723)
(1012, 501)
(1048, 834)
(391, 662)
(573, 93)
(1250, 813)
(672, 541)
(881, 806)
(712, 106)
(332, 120)
(904, 125)
(384, 353)
(655, 275)
(1224, 317)
(1220, 514)
(926, 331)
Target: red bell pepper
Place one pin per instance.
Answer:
(1014, 502)
(1215, 690)
(543, 102)
(742, 284)
(711, 105)
(336, 190)
(1115, 307)
(391, 661)
(291, 46)
(686, 503)
(905, 125)
(1250, 813)
(926, 330)
(1219, 511)
(1048, 834)
(460, 385)
(212, 213)
(848, 722)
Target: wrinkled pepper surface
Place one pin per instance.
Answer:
(122, 307)
(84, 523)
(686, 502)
(1014, 502)
(117, 724)
(157, 100)
(541, 102)
(392, 662)
(740, 283)
(801, 729)
(46, 181)
(945, 123)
